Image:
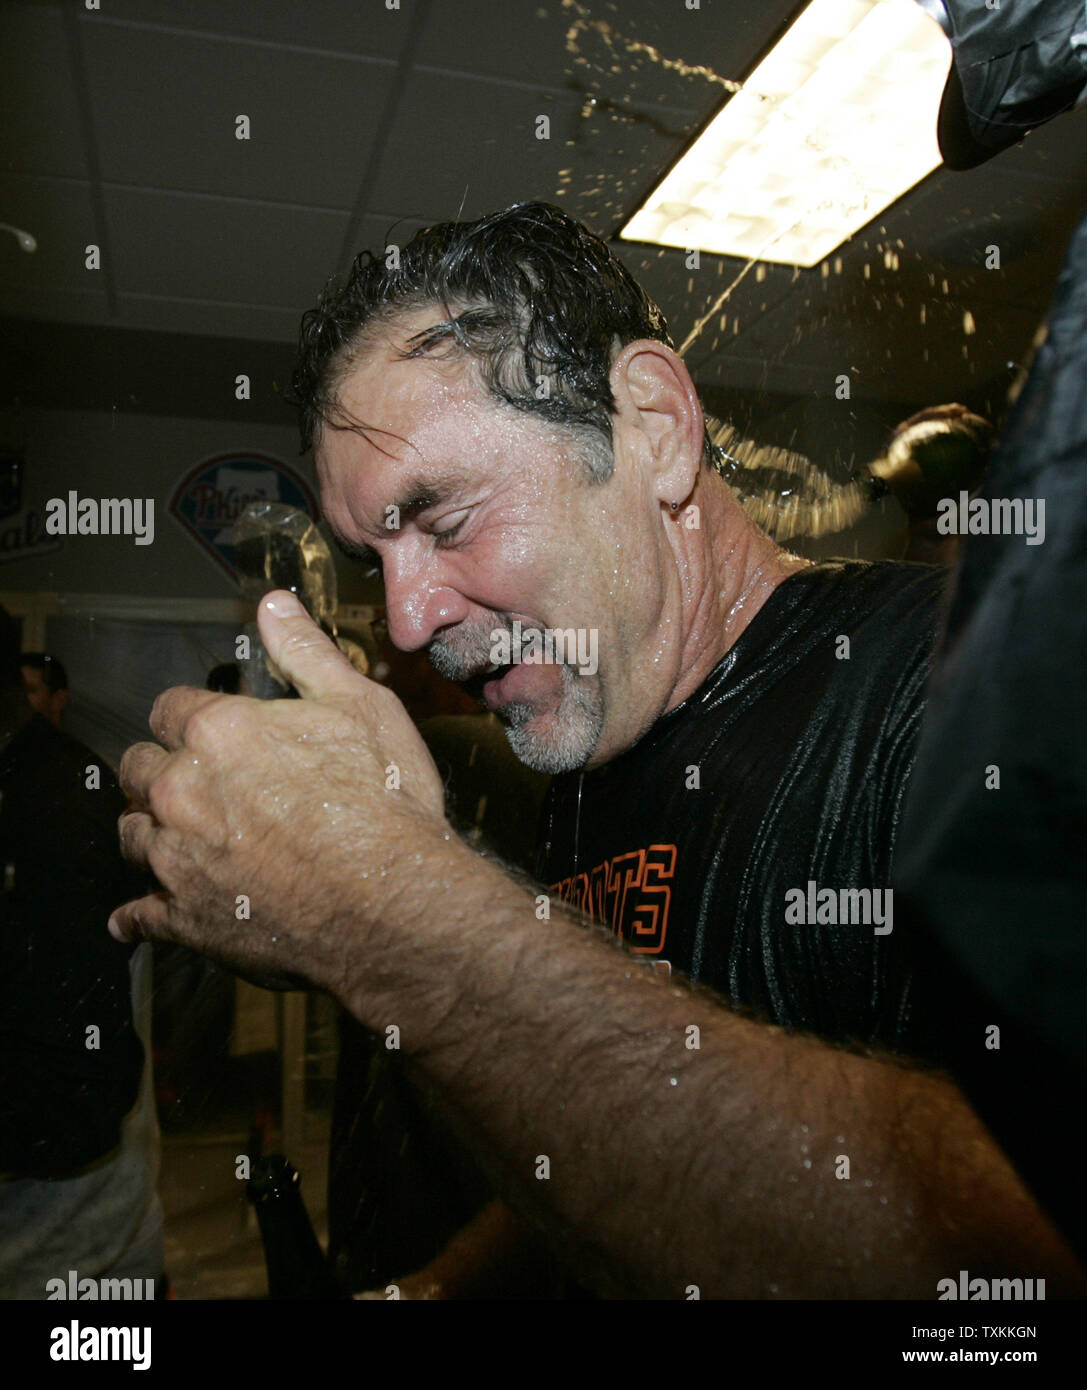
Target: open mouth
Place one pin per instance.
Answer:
(494, 690)
(494, 672)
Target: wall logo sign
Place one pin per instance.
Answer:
(22, 529)
(209, 500)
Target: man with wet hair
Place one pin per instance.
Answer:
(719, 1102)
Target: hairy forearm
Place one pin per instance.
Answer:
(755, 1163)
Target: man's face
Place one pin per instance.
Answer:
(483, 519)
(43, 700)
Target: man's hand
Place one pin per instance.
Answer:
(492, 1257)
(272, 827)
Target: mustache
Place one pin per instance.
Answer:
(465, 652)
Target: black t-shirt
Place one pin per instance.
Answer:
(785, 769)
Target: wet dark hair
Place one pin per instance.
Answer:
(53, 673)
(538, 302)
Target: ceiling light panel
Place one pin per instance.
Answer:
(835, 123)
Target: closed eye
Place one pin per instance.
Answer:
(446, 528)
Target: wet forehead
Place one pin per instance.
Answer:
(409, 408)
(424, 423)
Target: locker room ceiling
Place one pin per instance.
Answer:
(367, 123)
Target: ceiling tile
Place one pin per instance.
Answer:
(165, 108)
(377, 233)
(1056, 151)
(953, 218)
(896, 336)
(475, 140)
(254, 323)
(218, 249)
(39, 114)
(59, 215)
(260, 322)
(642, 52)
(339, 26)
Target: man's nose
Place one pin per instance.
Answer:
(418, 602)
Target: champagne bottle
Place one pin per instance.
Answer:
(296, 1264)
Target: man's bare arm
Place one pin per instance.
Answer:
(756, 1163)
(650, 1164)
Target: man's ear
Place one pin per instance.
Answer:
(658, 416)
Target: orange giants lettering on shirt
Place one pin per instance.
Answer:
(632, 893)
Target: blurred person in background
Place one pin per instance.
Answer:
(78, 1136)
(46, 683)
(934, 455)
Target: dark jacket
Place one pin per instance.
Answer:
(70, 1059)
